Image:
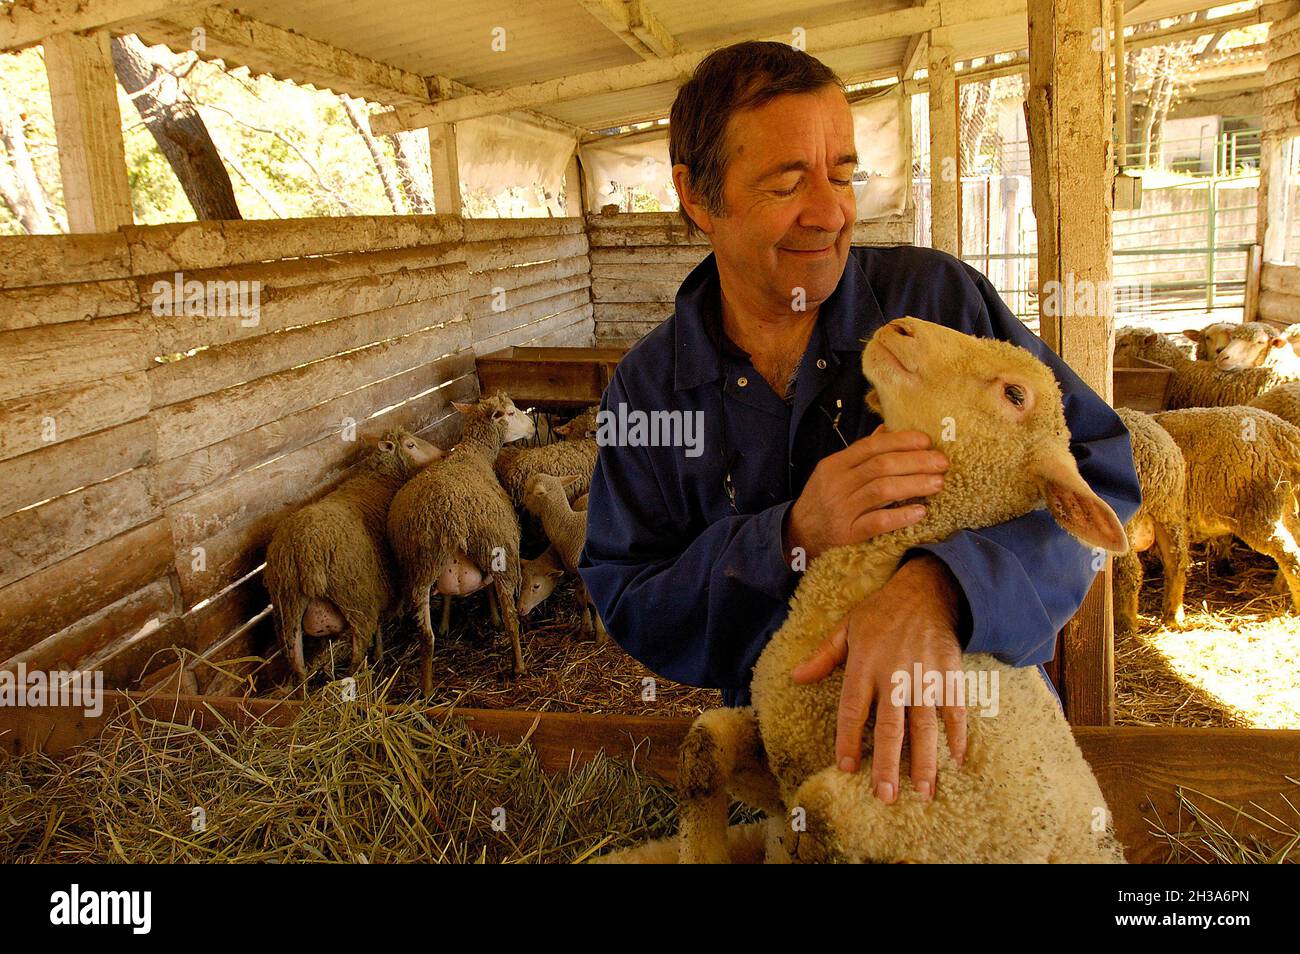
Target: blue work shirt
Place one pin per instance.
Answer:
(694, 588)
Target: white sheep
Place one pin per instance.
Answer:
(546, 497)
(1243, 467)
(454, 514)
(1161, 521)
(1257, 344)
(1211, 339)
(1196, 383)
(1025, 792)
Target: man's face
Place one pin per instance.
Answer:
(788, 199)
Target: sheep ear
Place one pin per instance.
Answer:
(569, 481)
(463, 408)
(1193, 333)
(1074, 505)
(387, 446)
(561, 429)
(1279, 342)
(873, 401)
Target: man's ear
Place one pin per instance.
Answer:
(873, 402)
(1074, 504)
(693, 205)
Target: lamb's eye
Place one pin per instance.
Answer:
(1015, 394)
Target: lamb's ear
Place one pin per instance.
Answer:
(387, 446)
(562, 429)
(873, 401)
(569, 481)
(1193, 333)
(463, 408)
(1074, 505)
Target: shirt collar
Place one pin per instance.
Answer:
(848, 316)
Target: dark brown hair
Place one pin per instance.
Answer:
(735, 78)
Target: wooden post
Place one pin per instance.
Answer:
(1121, 94)
(1069, 100)
(945, 150)
(92, 160)
(574, 191)
(444, 166)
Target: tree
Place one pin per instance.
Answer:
(20, 189)
(177, 128)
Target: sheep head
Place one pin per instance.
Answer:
(496, 419)
(1210, 340)
(400, 453)
(582, 427)
(996, 411)
(1250, 346)
(543, 488)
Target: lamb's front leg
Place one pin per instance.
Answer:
(721, 756)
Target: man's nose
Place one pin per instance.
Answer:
(825, 207)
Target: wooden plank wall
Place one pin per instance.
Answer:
(639, 259)
(145, 459)
(1279, 299)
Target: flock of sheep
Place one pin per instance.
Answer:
(414, 519)
(1223, 462)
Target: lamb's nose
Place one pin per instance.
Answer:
(901, 329)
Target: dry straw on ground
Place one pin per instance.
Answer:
(347, 781)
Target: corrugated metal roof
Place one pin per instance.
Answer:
(548, 39)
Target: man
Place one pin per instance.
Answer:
(693, 553)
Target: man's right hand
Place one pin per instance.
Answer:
(847, 499)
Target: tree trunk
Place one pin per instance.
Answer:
(361, 123)
(178, 129)
(417, 187)
(20, 189)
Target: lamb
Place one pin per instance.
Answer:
(456, 513)
(1283, 400)
(1160, 521)
(1210, 340)
(571, 457)
(328, 564)
(583, 426)
(1025, 792)
(1257, 344)
(1243, 467)
(546, 497)
(1196, 383)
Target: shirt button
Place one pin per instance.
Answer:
(821, 363)
(741, 382)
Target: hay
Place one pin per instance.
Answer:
(1233, 663)
(1200, 837)
(345, 781)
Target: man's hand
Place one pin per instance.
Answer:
(847, 498)
(911, 619)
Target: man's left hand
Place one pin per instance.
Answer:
(911, 619)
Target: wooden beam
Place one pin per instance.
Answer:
(1068, 100)
(444, 166)
(28, 22)
(945, 150)
(820, 39)
(1120, 81)
(92, 160)
(634, 24)
(916, 47)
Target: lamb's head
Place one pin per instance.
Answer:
(995, 411)
(582, 427)
(1211, 339)
(401, 454)
(496, 415)
(543, 489)
(1250, 345)
(1142, 342)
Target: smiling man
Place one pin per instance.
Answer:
(691, 558)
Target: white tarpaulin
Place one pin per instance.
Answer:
(637, 161)
(641, 160)
(884, 171)
(497, 153)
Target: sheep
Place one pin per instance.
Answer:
(570, 457)
(546, 497)
(455, 513)
(1160, 521)
(1025, 792)
(1210, 340)
(1283, 400)
(1257, 344)
(583, 426)
(328, 564)
(1243, 467)
(1196, 383)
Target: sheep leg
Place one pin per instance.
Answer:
(721, 755)
(419, 597)
(1128, 584)
(444, 624)
(1176, 557)
(288, 624)
(505, 584)
(494, 611)
(1278, 540)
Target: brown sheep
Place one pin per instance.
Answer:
(328, 565)
(455, 513)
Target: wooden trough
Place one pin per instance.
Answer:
(1143, 386)
(1140, 769)
(553, 377)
